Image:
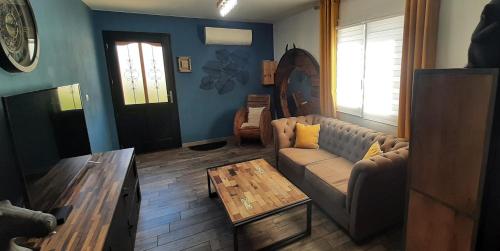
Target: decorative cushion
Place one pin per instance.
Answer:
(253, 117)
(374, 150)
(307, 136)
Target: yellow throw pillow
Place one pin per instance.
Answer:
(307, 136)
(374, 150)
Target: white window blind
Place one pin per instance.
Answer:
(380, 65)
(350, 56)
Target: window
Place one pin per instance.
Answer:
(142, 73)
(369, 69)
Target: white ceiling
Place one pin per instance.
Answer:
(266, 11)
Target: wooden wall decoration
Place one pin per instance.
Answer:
(268, 72)
(452, 135)
(301, 60)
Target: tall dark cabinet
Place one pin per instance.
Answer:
(452, 200)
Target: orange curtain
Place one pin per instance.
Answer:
(419, 52)
(328, 71)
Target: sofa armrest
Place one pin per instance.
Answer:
(389, 143)
(376, 193)
(284, 132)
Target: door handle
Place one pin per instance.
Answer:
(170, 97)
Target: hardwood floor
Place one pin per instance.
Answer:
(176, 213)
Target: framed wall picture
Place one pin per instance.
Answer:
(184, 64)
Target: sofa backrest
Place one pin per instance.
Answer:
(344, 139)
(338, 137)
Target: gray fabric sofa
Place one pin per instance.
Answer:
(362, 196)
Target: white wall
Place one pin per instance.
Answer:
(458, 18)
(357, 11)
(457, 21)
(301, 29)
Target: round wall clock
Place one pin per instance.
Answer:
(18, 36)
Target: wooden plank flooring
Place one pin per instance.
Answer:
(176, 213)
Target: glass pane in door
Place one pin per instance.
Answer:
(129, 60)
(142, 73)
(155, 72)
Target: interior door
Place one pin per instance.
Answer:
(143, 90)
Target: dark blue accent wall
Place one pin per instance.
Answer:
(68, 55)
(203, 114)
(72, 51)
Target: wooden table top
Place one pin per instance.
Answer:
(93, 197)
(250, 189)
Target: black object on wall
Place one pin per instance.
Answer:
(43, 134)
(70, 135)
(484, 52)
(226, 72)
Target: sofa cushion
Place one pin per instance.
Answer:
(303, 157)
(333, 172)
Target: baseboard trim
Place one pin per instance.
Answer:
(206, 141)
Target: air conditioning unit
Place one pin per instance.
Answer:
(224, 36)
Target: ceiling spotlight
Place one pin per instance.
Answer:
(225, 6)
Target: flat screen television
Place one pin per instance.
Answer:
(51, 143)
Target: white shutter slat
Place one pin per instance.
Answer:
(350, 60)
(383, 69)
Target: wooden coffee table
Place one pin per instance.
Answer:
(253, 190)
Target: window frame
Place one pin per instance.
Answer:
(360, 113)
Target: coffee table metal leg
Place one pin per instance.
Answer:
(309, 212)
(235, 238)
(210, 193)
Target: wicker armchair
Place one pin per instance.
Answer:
(264, 131)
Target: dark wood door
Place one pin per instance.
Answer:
(143, 88)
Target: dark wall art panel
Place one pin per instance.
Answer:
(226, 72)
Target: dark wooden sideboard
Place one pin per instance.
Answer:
(106, 202)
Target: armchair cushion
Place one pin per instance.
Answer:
(254, 114)
(247, 125)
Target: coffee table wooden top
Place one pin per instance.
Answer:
(253, 188)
